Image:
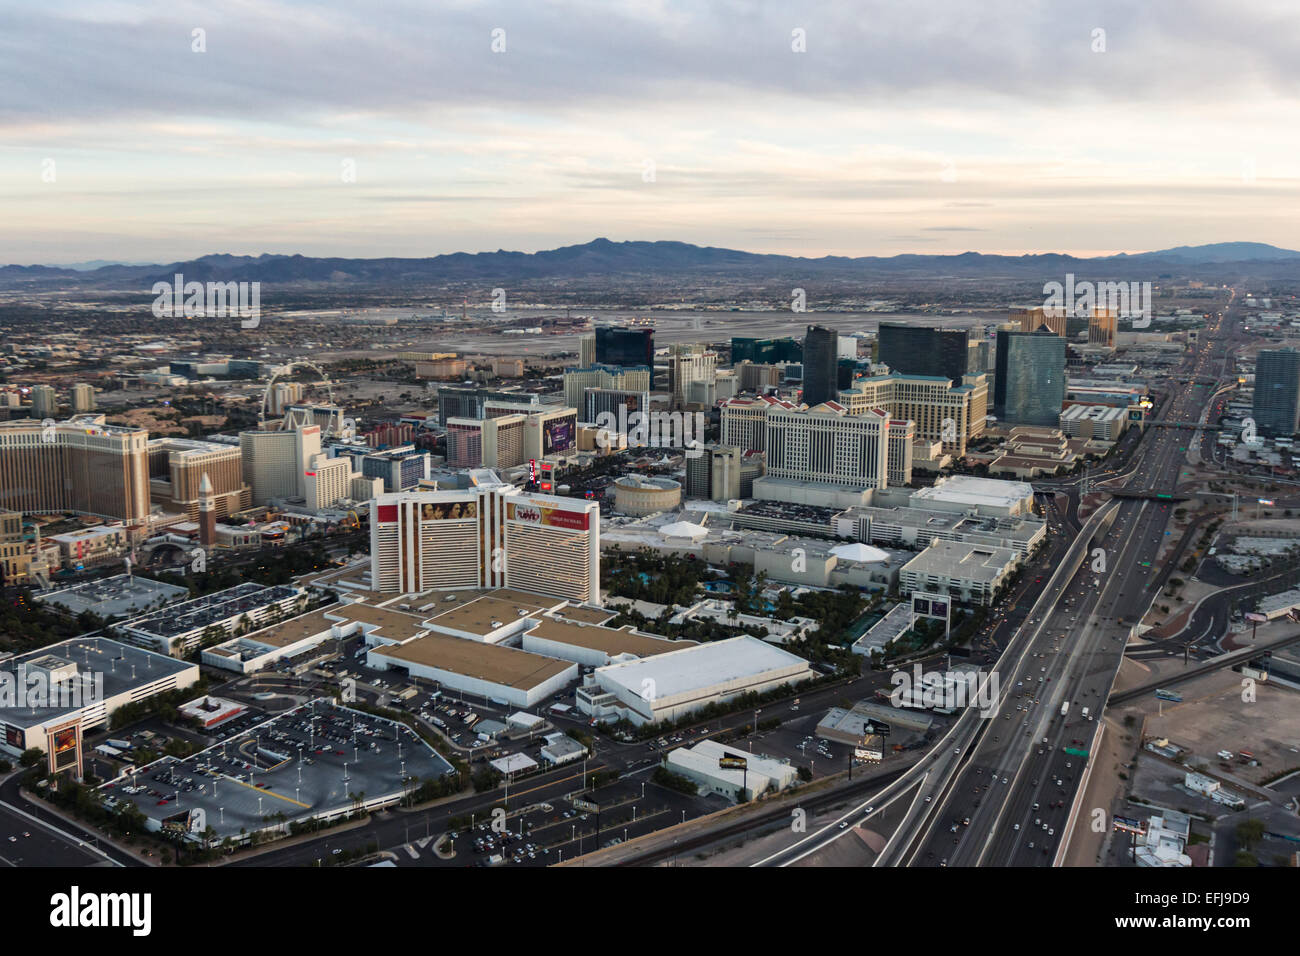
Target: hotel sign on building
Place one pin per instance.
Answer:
(532, 512)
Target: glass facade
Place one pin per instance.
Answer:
(1029, 387)
(820, 365)
(765, 351)
(1277, 392)
(917, 350)
(623, 346)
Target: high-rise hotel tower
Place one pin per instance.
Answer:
(485, 537)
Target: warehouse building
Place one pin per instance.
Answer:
(986, 496)
(592, 645)
(561, 748)
(668, 686)
(727, 770)
(895, 717)
(517, 677)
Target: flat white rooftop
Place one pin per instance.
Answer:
(964, 489)
(702, 666)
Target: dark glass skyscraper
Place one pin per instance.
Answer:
(1276, 407)
(765, 351)
(1029, 385)
(625, 346)
(820, 365)
(918, 350)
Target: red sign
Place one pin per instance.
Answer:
(548, 517)
(387, 512)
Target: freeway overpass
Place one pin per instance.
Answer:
(1144, 494)
(1189, 426)
(1204, 667)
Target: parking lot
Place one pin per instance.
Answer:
(317, 760)
(541, 834)
(114, 596)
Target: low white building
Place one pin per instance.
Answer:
(260, 649)
(714, 767)
(514, 763)
(985, 496)
(1164, 842)
(561, 748)
(672, 685)
(521, 722)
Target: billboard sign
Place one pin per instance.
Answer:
(449, 511)
(930, 605)
(732, 763)
(558, 434)
(65, 739)
(534, 513)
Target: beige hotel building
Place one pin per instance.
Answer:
(80, 465)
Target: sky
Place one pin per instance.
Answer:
(159, 131)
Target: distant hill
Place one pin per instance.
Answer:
(603, 258)
(1220, 252)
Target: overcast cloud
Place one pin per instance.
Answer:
(941, 125)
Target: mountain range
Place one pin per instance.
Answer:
(605, 259)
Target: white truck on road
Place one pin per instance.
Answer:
(1065, 707)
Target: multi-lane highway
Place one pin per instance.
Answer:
(1011, 801)
(999, 789)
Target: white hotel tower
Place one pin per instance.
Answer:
(485, 537)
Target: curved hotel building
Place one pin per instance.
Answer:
(80, 465)
(485, 537)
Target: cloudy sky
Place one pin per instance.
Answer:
(395, 128)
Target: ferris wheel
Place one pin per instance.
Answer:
(284, 372)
